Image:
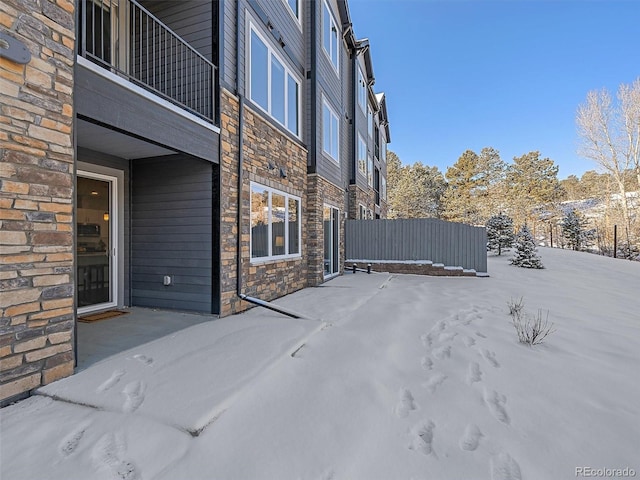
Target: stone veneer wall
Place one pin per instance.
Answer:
(320, 192)
(263, 142)
(358, 196)
(36, 197)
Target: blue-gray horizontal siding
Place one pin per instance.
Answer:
(171, 233)
(190, 19)
(452, 244)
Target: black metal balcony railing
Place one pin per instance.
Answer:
(124, 37)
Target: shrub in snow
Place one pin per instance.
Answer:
(532, 330)
(515, 306)
(526, 254)
(574, 231)
(499, 233)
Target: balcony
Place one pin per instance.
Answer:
(122, 36)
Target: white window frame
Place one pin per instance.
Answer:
(362, 90)
(338, 36)
(287, 73)
(369, 120)
(333, 113)
(362, 212)
(298, 17)
(362, 160)
(287, 254)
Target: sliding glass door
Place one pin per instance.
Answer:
(95, 241)
(331, 223)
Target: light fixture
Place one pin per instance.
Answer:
(93, 192)
(105, 216)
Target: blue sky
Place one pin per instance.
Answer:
(510, 74)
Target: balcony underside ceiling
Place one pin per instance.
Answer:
(101, 139)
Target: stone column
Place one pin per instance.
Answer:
(36, 196)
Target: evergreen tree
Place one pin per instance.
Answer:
(575, 232)
(414, 191)
(526, 254)
(533, 186)
(459, 202)
(500, 234)
(475, 186)
(490, 191)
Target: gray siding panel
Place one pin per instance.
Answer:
(190, 19)
(334, 87)
(420, 239)
(172, 228)
(98, 98)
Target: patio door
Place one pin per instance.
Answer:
(331, 223)
(96, 239)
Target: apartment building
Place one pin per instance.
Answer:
(185, 155)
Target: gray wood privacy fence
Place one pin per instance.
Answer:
(453, 244)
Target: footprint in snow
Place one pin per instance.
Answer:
(426, 363)
(70, 443)
(442, 352)
(134, 393)
(107, 454)
(144, 359)
(490, 357)
(427, 339)
(468, 341)
(481, 335)
(423, 437)
(447, 337)
(405, 403)
(435, 381)
(495, 402)
(504, 467)
(441, 325)
(470, 438)
(474, 374)
(111, 381)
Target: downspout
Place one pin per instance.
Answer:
(240, 154)
(239, 285)
(354, 127)
(313, 136)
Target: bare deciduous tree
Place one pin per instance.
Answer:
(610, 136)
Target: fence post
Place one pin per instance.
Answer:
(615, 241)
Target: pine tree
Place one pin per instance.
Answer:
(414, 191)
(500, 234)
(533, 185)
(526, 254)
(575, 232)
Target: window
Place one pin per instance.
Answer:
(362, 214)
(370, 120)
(362, 91)
(275, 223)
(330, 36)
(376, 139)
(362, 156)
(272, 86)
(370, 171)
(294, 5)
(330, 131)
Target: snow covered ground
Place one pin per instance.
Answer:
(401, 377)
